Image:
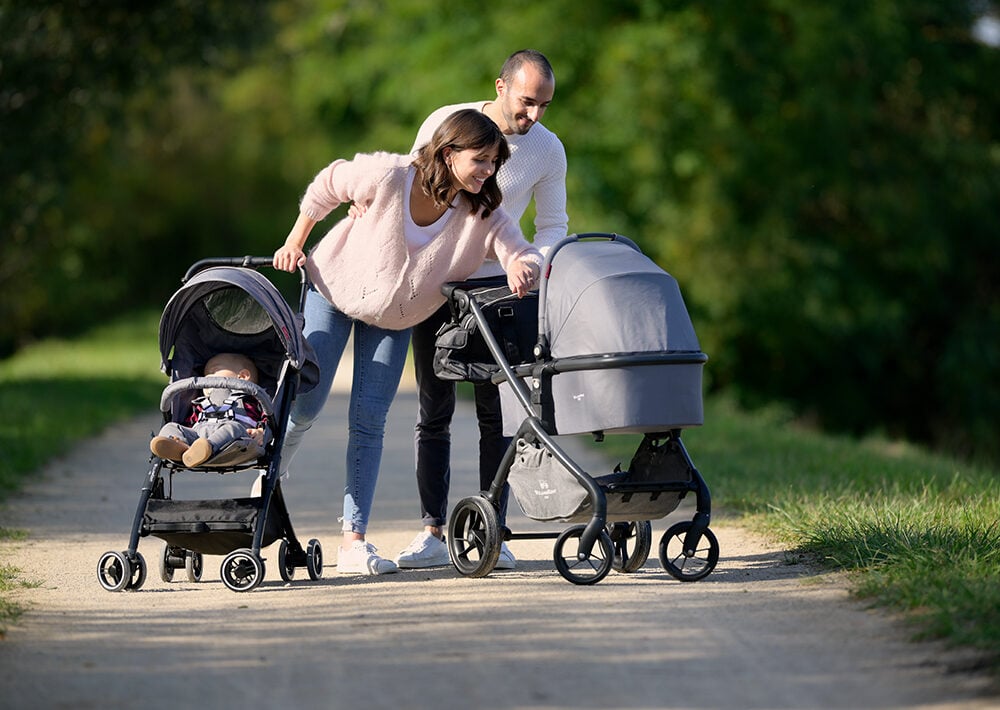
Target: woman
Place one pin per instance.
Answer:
(430, 219)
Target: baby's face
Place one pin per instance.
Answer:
(225, 372)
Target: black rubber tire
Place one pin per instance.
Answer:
(632, 542)
(589, 570)
(685, 567)
(242, 571)
(474, 538)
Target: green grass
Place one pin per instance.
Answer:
(57, 392)
(917, 532)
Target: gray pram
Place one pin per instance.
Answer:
(609, 349)
(224, 305)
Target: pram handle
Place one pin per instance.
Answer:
(248, 262)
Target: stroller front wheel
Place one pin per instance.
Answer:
(242, 571)
(586, 569)
(688, 566)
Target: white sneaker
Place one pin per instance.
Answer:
(361, 559)
(426, 550)
(506, 559)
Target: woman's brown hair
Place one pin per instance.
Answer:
(462, 130)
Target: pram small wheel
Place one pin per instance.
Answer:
(138, 577)
(632, 542)
(193, 565)
(171, 559)
(114, 571)
(314, 559)
(474, 537)
(688, 565)
(285, 567)
(589, 569)
(242, 570)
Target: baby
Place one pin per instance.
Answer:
(217, 418)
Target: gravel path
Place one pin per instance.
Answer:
(760, 632)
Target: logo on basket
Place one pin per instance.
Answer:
(543, 489)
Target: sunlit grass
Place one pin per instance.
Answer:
(58, 391)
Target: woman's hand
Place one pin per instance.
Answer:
(257, 435)
(289, 258)
(522, 276)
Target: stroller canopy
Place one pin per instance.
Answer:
(231, 309)
(608, 298)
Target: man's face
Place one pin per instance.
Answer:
(523, 101)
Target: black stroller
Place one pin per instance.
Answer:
(224, 305)
(606, 346)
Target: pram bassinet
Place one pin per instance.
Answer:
(615, 353)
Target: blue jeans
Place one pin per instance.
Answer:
(379, 357)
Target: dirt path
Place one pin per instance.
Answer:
(760, 632)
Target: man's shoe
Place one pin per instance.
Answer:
(506, 559)
(426, 550)
(362, 559)
(168, 448)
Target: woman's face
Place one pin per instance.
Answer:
(470, 168)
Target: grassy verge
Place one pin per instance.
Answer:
(58, 392)
(919, 533)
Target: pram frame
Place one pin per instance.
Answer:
(243, 569)
(538, 427)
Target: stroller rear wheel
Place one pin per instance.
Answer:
(474, 537)
(632, 542)
(242, 571)
(193, 565)
(688, 566)
(285, 566)
(586, 569)
(314, 559)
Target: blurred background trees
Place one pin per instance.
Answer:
(823, 179)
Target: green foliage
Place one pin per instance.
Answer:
(821, 178)
(59, 392)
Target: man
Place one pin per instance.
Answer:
(536, 169)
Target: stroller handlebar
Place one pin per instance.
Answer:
(250, 262)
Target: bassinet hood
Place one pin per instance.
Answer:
(230, 309)
(607, 297)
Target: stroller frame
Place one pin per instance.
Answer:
(241, 527)
(688, 550)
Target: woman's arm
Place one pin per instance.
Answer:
(291, 254)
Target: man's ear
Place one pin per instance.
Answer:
(501, 86)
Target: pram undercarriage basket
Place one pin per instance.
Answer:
(614, 352)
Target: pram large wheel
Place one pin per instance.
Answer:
(193, 565)
(285, 567)
(314, 559)
(474, 537)
(242, 570)
(590, 569)
(632, 542)
(685, 567)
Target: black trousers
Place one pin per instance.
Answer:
(432, 433)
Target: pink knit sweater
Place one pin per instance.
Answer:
(363, 266)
